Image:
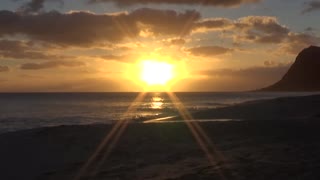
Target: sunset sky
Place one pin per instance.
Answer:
(97, 45)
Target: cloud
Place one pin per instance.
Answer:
(208, 50)
(34, 6)
(311, 6)
(25, 50)
(261, 29)
(165, 22)
(51, 64)
(309, 29)
(220, 3)
(74, 28)
(267, 30)
(258, 29)
(127, 58)
(213, 24)
(177, 42)
(4, 68)
(86, 29)
(270, 63)
(79, 28)
(296, 42)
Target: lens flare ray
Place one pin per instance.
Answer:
(109, 142)
(206, 145)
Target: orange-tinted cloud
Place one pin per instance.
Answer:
(127, 58)
(221, 3)
(177, 41)
(25, 50)
(51, 64)
(4, 68)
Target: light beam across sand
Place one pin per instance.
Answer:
(94, 163)
(108, 143)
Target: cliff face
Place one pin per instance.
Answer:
(303, 75)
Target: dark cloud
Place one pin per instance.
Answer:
(309, 29)
(166, 22)
(221, 3)
(213, 24)
(85, 28)
(209, 50)
(34, 6)
(4, 68)
(311, 6)
(51, 64)
(75, 28)
(25, 50)
(177, 42)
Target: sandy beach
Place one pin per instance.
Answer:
(275, 139)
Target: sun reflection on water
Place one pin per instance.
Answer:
(157, 102)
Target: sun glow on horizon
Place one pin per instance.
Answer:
(156, 72)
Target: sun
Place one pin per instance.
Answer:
(156, 72)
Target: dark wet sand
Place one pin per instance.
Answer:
(283, 148)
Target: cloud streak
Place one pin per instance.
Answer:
(25, 50)
(220, 3)
(208, 50)
(213, 24)
(51, 64)
(35, 6)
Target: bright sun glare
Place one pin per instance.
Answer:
(156, 72)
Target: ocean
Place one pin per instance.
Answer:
(20, 111)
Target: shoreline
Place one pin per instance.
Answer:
(292, 107)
